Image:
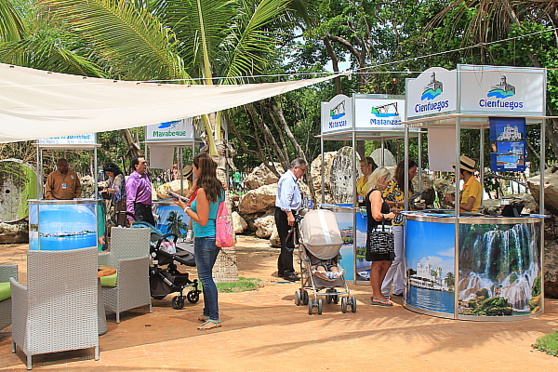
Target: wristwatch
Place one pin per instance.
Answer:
(186, 209)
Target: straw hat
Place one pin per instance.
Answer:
(187, 171)
(466, 163)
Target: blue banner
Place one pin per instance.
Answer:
(507, 141)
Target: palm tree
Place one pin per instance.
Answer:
(175, 224)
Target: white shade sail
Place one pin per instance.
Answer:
(38, 104)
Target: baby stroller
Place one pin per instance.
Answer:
(319, 244)
(167, 280)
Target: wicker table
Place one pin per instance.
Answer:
(102, 318)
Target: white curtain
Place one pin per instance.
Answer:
(38, 104)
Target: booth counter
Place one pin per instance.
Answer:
(494, 274)
(66, 224)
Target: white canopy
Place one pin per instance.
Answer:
(38, 104)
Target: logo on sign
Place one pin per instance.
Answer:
(433, 89)
(168, 125)
(338, 111)
(501, 92)
(385, 114)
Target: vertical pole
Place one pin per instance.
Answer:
(541, 205)
(419, 161)
(95, 174)
(355, 202)
(39, 174)
(457, 202)
(180, 170)
(382, 160)
(481, 161)
(406, 167)
(323, 168)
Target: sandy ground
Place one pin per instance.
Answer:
(264, 331)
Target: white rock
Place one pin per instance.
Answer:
(261, 176)
(259, 200)
(239, 224)
(265, 225)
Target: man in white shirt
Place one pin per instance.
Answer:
(287, 201)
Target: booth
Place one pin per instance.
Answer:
(471, 266)
(357, 118)
(66, 224)
(162, 140)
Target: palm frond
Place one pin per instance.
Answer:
(11, 25)
(134, 42)
(249, 44)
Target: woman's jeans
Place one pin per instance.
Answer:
(206, 253)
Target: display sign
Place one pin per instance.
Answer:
(379, 113)
(496, 90)
(74, 141)
(337, 114)
(179, 130)
(507, 141)
(433, 92)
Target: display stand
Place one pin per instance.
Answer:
(176, 135)
(361, 117)
(490, 279)
(66, 224)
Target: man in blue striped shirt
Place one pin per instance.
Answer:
(287, 201)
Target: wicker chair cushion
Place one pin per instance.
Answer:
(109, 280)
(5, 291)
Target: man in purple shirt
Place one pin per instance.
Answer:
(138, 192)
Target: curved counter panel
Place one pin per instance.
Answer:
(495, 274)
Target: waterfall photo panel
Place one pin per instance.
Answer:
(499, 269)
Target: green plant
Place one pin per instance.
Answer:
(243, 285)
(548, 343)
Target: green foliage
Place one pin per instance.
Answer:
(548, 344)
(243, 285)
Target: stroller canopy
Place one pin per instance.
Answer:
(320, 234)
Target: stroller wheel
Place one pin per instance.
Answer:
(297, 300)
(343, 304)
(335, 297)
(304, 297)
(329, 298)
(193, 296)
(320, 306)
(177, 302)
(310, 306)
(353, 304)
(158, 297)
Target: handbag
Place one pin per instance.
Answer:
(224, 234)
(379, 241)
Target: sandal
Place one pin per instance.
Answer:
(385, 302)
(209, 324)
(203, 318)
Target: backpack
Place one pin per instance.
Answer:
(224, 235)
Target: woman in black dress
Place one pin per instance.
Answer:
(378, 210)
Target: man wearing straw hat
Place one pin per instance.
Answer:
(471, 194)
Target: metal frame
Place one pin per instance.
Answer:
(354, 135)
(473, 121)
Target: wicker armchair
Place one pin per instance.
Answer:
(6, 272)
(129, 254)
(57, 311)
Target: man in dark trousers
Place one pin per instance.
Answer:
(138, 192)
(288, 201)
